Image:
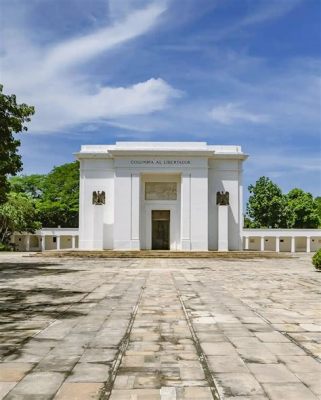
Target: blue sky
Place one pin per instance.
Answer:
(243, 72)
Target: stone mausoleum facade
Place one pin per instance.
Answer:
(161, 196)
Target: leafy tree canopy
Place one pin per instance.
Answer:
(59, 204)
(30, 185)
(13, 118)
(318, 205)
(304, 209)
(268, 207)
(18, 214)
(56, 195)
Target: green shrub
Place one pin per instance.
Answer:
(5, 247)
(316, 260)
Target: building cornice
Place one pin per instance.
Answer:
(160, 149)
(112, 154)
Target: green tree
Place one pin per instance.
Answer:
(247, 223)
(18, 214)
(267, 206)
(56, 195)
(13, 118)
(318, 203)
(59, 202)
(30, 185)
(304, 209)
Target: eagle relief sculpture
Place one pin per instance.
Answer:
(222, 198)
(98, 198)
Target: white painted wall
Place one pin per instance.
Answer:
(222, 217)
(96, 223)
(125, 221)
(19, 242)
(301, 238)
(172, 205)
(200, 171)
(199, 208)
(125, 206)
(225, 175)
(189, 213)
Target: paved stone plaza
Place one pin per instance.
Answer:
(159, 329)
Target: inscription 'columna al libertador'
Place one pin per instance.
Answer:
(160, 162)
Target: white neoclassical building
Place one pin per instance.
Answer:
(160, 195)
(170, 196)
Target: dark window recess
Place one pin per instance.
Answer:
(282, 240)
(54, 239)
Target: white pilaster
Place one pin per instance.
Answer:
(199, 209)
(308, 244)
(28, 242)
(98, 227)
(58, 242)
(262, 243)
(223, 228)
(135, 211)
(186, 211)
(247, 241)
(73, 242)
(292, 244)
(43, 243)
(277, 244)
(122, 210)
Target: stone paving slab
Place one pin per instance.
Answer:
(168, 329)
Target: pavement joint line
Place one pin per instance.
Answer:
(307, 351)
(246, 366)
(25, 341)
(86, 294)
(285, 334)
(108, 387)
(201, 354)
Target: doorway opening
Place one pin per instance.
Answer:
(160, 229)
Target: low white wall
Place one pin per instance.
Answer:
(303, 238)
(253, 236)
(20, 242)
(47, 238)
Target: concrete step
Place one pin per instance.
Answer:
(162, 254)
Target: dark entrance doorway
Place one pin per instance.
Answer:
(160, 229)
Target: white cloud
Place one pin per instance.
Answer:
(259, 11)
(118, 9)
(232, 113)
(265, 10)
(74, 106)
(49, 78)
(274, 160)
(81, 49)
(288, 168)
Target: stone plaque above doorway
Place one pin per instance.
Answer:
(160, 191)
